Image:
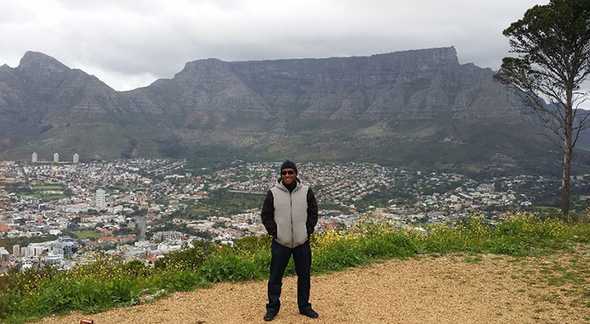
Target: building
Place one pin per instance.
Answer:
(66, 246)
(4, 256)
(140, 226)
(16, 250)
(76, 158)
(167, 236)
(36, 249)
(34, 157)
(100, 200)
(56, 157)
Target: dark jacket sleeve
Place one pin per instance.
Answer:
(268, 215)
(312, 212)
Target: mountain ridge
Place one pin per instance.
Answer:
(401, 103)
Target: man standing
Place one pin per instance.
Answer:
(289, 214)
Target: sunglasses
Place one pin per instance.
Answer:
(288, 172)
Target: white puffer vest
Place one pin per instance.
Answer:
(290, 214)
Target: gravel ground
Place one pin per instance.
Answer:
(426, 289)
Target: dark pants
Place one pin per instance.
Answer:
(278, 263)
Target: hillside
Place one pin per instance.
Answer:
(456, 288)
(522, 260)
(418, 108)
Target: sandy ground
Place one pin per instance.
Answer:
(426, 289)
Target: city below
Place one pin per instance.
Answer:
(63, 213)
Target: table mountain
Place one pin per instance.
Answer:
(418, 107)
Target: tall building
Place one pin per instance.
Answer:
(140, 226)
(4, 256)
(56, 157)
(76, 158)
(100, 200)
(34, 157)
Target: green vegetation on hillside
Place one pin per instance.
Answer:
(110, 282)
(42, 191)
(85, 234)
(221, 203)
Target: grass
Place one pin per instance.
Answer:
(109, 282)
(45, 192)
(220, 203)
(86, 234)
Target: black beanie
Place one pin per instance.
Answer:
(288, 165)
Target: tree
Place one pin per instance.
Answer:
(552, 47)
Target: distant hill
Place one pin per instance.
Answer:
(415, 108)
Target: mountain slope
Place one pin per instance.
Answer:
(418, 107)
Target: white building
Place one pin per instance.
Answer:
(36, 249)
(4, 255)
(76, 158)
(34, 157)
(16, 250)
(56, 157)
(100, 200)
(54, 259)
(167, 236)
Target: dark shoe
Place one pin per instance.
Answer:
(309, 313)
(270, 315)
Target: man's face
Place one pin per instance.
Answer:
(288, 176)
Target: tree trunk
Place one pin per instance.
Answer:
(565, 180)
(567, 155)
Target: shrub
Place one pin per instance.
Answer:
(187, 259)
(228, 266)
(252, 244)
(86, 294)
(389, 245)
(172, 280)
(337, 255)
(29, 279)
(442, 239)
(136, 268)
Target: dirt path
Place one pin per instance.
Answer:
(450, 289)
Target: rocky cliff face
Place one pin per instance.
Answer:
(411, 85)
(46, 106)
(392, 107)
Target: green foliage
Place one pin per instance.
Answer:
(252, 244)
(85, 234)
(135, 268)
(187, 259)
(442, 239)
(552, 44)
(86, 294)
(339, 255)
(221, 203)
(228, 266)
(30, 279)
(173, 280)
(109, 282)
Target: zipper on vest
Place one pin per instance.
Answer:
(291, 213)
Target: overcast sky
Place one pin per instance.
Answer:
(130, 43)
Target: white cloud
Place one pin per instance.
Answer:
(130, 43)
